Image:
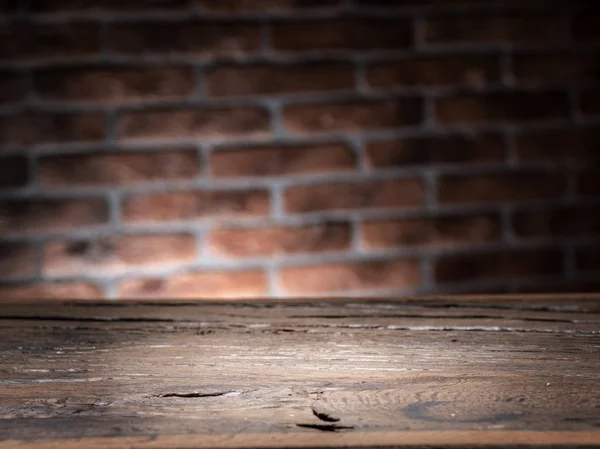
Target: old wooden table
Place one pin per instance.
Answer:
(467, 371)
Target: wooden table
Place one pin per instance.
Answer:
(464, 371)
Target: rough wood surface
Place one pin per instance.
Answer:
(417, 372)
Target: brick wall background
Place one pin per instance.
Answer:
(240, 148)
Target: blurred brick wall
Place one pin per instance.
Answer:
(231, 148)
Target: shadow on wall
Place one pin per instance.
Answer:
(236, 149)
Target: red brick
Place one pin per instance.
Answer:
(211, 123)
(588, 258)
(513, 106)
(559, 146)
(117, 253)
(564, 221)
(450, 149)
(282, 160)
(118, 168)
(498, 265)
(199, 285)
(199, 38)
(499, 188)
(353, 115)
(114, 84)
(51, 290)
(38, 128)
(587, 183)
(193, 205)
(13, 171)
(13, 87)
(45, 215)
(473, 71)
(496, 28)
(49, 41)
(256, 79)
(358, 34)
(435, 232)
(354, 195)
(90, 6)
(590, 101)
(586, 26)
(273, 241)
(343, 277)
(551, 67)
(264, 6)
(16, 260)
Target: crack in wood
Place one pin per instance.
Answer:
(324, 415)
(325, 427)
(193, 394)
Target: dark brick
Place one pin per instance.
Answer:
(588, 258)
(13, 87)
(451, 149)
(564, 221)
(586, 26)
(44, 215)
(49, 41)
(590, 101)
(588, 183)
(551, 67)
(16, 260)
(560, 146)
(256, 79)
(13, 171)
(499, 188)
(412, 3)
(498, 265)
(472, 71)
(573, 286)
(479, 28)
(114, 84)
(38, 128)
(513, 106)
(265, 6)
(8, 7)
(353, 115)
(358, 34)
(440, 231)
(87, 6)
(204, 39)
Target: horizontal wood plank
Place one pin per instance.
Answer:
(434, 371)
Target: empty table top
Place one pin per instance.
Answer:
(451, 371)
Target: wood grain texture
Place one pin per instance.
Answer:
(413, 372)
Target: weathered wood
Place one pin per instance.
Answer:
(411, 372)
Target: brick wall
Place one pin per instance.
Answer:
(241, 148)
